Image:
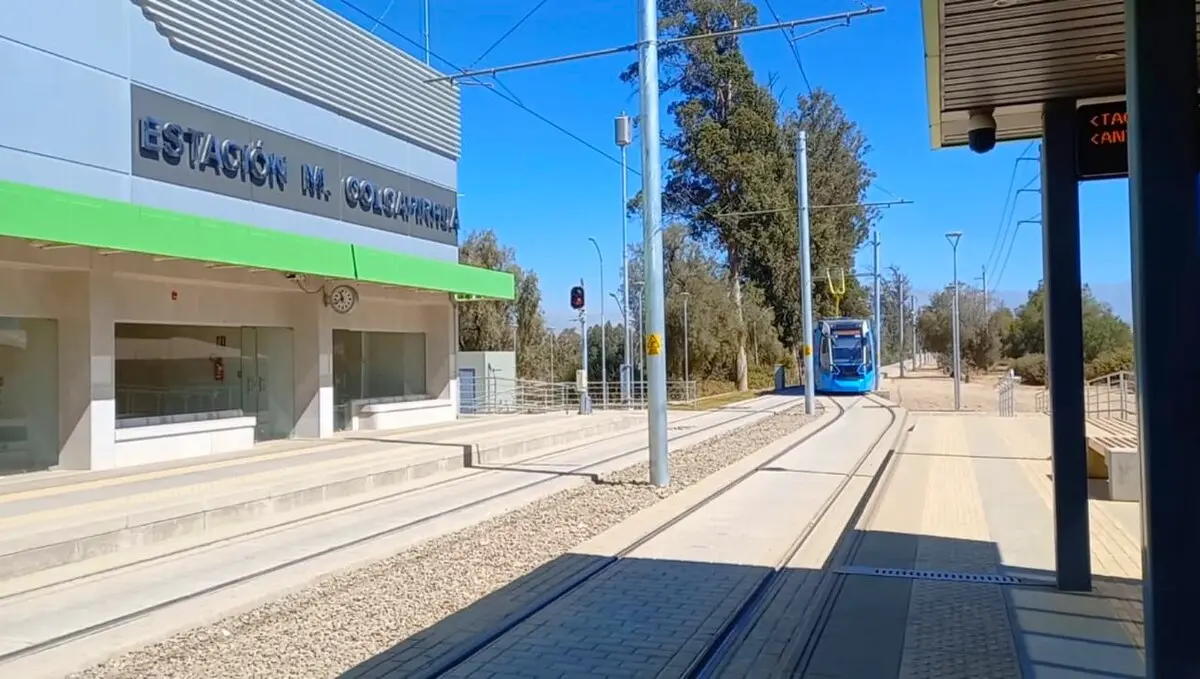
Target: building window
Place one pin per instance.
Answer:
(376, 367)
(177, 373)
(29, 438)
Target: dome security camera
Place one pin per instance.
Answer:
(981, 131)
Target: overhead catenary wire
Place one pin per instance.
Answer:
(1009, 201)
(789, 39)
(509, 98)
(510, 31)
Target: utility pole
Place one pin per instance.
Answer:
(913, 299)
(652, 239)
(624, 137)
(983, 281)
(900, 315)
(553, 341)
(954, 237)
(878, 316)
(806, 288)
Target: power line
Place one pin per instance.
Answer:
(1008, 200)
(1013, 242)
(510, 99)
(507, 33)
(790, 40)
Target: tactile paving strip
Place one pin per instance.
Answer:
(911, 574)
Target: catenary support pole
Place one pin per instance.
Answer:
(955, 346)
(1161, 80)
(652, 239)
(806, 288)
(1064, 346)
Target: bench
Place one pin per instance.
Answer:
(1113, 455)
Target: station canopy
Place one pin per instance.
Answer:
(1012, 55)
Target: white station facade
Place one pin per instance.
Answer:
(221, 223)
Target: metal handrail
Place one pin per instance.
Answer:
(491, 395)
(1108, 396)
(1006, 395)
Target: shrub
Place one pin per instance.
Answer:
(1112, 361)
(1031, 369)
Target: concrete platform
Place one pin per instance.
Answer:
(50, 519)
(126, 600)
(967, 505)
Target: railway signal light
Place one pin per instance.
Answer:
(577, 297)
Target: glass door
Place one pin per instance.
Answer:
(268, 392)
(248, 373)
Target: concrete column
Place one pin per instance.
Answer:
(86, 380)
(1161, 79)
(313, 335)
(1064, 346)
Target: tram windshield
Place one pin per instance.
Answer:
(847, 349)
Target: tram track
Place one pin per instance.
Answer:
(709, 663)
(228, 584)
(716, 651)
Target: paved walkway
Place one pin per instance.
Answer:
(972, 494)
(965, 494)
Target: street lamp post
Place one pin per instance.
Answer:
(954, 237)
(687, 378)
(624, 137)
(603, 342)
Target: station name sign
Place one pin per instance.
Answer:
(1102, 144)
(178, 142)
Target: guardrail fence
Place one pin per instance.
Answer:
(499, 395)
(1111, 396)
(1006, 394)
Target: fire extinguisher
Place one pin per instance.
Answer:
(219, 369)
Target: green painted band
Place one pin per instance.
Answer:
(36, 213)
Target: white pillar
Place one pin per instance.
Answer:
(86, 380)
(313, 368)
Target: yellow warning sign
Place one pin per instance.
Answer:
(808, 350)
(653, 345)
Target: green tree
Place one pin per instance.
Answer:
(723, 174)
(496, 325)
(1103, 331)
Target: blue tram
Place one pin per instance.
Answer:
(845, 359)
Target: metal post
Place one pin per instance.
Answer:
(983, 282)
(687, 379)
(1064, 345)
(553, 341)
(583, 356)
(900, 315)
(915, 354)
(955, 361)
(877, 312)
(653, 242)
(624, 137)
(426, 17)
(806, 288)
(603, 339)
(1160, 73)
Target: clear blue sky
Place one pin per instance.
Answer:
(545, 193)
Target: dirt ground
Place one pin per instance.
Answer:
(927, 388)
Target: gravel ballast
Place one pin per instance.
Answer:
(349, 617)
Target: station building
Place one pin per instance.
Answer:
(221, 223)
